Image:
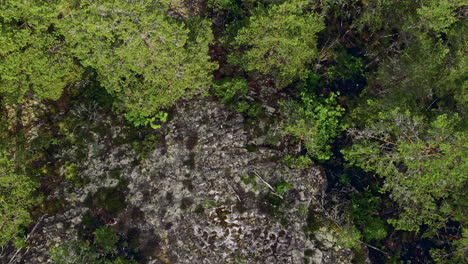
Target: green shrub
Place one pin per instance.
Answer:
(280, 41)
(16, 199)
(105, 250)
(70, 170)
(316, 121)
(143, 58)
(106, 238)
(349, 236)
(456, 253)
(300, 162)
(283, 187)
(33, 56)
(144, 121)
(224, 4)
(77, 252)
(231, 89)
(365, 213)
(207, 204)
(423, 162)
(346, 67)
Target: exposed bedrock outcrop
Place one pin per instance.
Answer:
(209, 192)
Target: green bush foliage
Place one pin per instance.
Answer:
(300, 162)
(16, 199)
(106, 238)
(283, 187)
(346, 67)
(73, 253)
(223, 4)
(365, 213)
(280, 41)
(144, 58)
(105, 250)
(422, 161)
(439, 15)
(408, 125)
(456, 253)
(231, 89)
(232, 92)
(349, 236)
(33, 55)
(316, 121)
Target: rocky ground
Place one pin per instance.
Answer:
(211, 190)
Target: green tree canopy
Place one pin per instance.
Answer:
(316, 121)
(33, 55)
(16, 198)
(423, 162)
(439, 15)
(144, 58)
(280, 41)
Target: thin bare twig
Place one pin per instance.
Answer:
(27, 237)
(375, 248)
(433, 102)
(235, 192)
(325, 49)
(268, 185)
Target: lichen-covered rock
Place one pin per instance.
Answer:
(207, 193)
